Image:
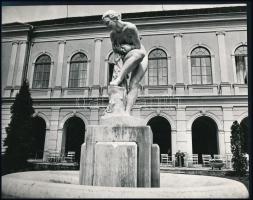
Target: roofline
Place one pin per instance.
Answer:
(146, 14)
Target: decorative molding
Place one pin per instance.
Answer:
(15, 42)
(158, 111)
(96, 39)
(177, 35)
(220, 33)
(23, 42)
(62, 42)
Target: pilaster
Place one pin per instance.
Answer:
(21, 63)
(222, 56)
(178, 51)
(58, 81)
(181, 129)
(228, 119)
(97, 60)
(9, 85)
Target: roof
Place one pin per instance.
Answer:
(151, 14)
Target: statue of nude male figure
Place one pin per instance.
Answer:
(126, 46)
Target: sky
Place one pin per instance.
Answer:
(44, 12)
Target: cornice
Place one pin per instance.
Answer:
(140, 23)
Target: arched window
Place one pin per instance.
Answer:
(78, 71)
(157, 68)
(201, 69)
(241, 62)
(42, 72)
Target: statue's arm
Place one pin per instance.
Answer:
(115, 47)
(132, 34)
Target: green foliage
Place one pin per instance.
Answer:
(244, 135)
(239, 160)
(19, 131)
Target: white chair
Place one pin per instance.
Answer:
(70, 156)
(205, 159)
(54, 156)
(192, 160)
(164, 159)
(170, 161)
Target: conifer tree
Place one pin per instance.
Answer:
(238, 159)
(19, 138)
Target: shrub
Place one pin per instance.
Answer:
(19, 138)
(238, 159)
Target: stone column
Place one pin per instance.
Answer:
(228, 119)
(47, 135)
(9, 84)
(179, 68)
(222, 144)
(225, 86)
(181, 129)
(173, 143)
(189, 141)
(58, 81)
(97, 62)
(21, 63)
(53, 140)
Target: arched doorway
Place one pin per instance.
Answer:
(39, 133)
(204, 137)
(245, 137)
(161, 133)
(73, 136)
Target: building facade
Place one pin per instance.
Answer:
(193, 90)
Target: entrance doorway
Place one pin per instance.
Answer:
(39, 132)
(161, 133)
(73, 136)
(204, 137)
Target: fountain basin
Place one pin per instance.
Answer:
(65, 184)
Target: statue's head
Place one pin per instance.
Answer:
(112, 15)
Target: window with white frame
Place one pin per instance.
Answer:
(157, 68)
(78, 70)
(241, 62)
(41, 72)
(201, 69)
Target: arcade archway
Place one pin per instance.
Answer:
(73, 136)
(204, 137)
(161, 133)
(39, 133)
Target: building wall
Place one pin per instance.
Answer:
(180, 105)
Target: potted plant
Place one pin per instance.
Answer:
(180, 158)
(216, 163)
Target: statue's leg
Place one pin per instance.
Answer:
(131, 61)
(136, 77)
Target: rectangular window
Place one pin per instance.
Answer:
(41, 76)
(77, 75)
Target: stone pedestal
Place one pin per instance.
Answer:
(119, 156)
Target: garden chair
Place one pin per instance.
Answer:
(164, 159)
(54, 156)
(170, 161)
(205, 159)
(192, 160)
(70, 156)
